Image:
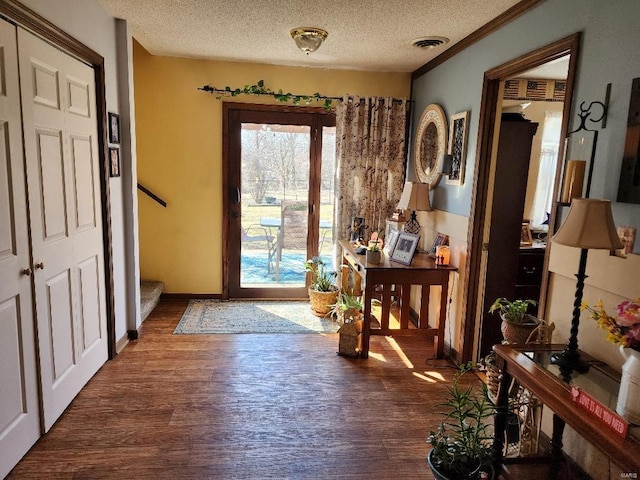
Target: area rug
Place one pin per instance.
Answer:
(214, 316)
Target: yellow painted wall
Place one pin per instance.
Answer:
(179, 148)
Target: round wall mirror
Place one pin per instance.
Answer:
(430, 145)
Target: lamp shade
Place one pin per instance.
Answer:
(589, 225)
(415, 196)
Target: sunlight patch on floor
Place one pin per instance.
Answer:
(396, 348)
(377, 356)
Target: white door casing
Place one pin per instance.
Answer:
(19, 407)
(62, 165)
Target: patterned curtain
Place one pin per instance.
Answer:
(370, 161)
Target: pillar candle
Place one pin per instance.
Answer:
(443, 254)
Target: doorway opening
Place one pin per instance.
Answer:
(279, 170)
(480, 333)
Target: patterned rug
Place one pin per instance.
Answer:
(213, 316)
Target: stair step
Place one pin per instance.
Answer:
(150, 291)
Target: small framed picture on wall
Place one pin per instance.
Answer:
(114, 128)
(114, 162)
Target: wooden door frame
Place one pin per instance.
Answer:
(481, 180)
(21, 16)
(323, 117)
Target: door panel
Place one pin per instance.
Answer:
(60, 131)
(19, 409)
(273, 164)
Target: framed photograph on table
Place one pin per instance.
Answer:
(526, 240)
(405, 248)
(390, 242)
(458, 147)
(441, 239)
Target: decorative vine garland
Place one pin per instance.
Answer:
(260, 89)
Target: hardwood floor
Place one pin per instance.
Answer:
(248, 407)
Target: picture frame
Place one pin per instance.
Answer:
(114, 162)
(390, 242)
(458, 132)
(404, 248)
(526, 239)
(114, 128)
(441, 239)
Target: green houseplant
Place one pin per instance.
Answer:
(517, 324)
(347, 306)
(462, 447)
(322, 292)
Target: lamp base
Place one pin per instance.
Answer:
(412, 225)
(570, 360)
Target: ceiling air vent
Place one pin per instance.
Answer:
(429, 42)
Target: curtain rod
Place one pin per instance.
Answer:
(260, 89)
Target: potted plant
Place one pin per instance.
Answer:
(322, 292)
(517, 324)
(462, 447)
(347, 306)
(373, 252)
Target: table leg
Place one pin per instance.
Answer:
(442, 318)
(500, 418)
(366, 324)
(556, 445)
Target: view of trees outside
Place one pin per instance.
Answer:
(275, 167)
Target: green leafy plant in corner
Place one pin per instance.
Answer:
(321, 278)
(464, 440)
(514, 311)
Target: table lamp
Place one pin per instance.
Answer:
(415, 196)
(589, 226)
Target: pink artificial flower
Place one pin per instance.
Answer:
(628, 313)
(633, 336)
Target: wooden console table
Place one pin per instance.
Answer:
(530, 365)
(395, 280)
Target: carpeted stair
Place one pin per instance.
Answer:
(150, 291)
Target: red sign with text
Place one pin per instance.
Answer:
(608, 418)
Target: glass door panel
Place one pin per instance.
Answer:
(327, 180)
(274, 187)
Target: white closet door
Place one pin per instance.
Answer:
(61, 150)
(19, 409)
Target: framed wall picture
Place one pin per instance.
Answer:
(405, 248)
(441, 239)
(458, 147)
(114, 128)
(114, 162)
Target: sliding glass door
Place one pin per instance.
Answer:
(279, 164)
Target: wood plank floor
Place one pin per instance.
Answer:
(247, 407)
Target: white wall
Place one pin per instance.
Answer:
(90, 24)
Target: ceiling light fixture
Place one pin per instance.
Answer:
(308, 39)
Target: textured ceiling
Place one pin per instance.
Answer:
(371, 35)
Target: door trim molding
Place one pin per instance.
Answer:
(26, 18)
(486, 130)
